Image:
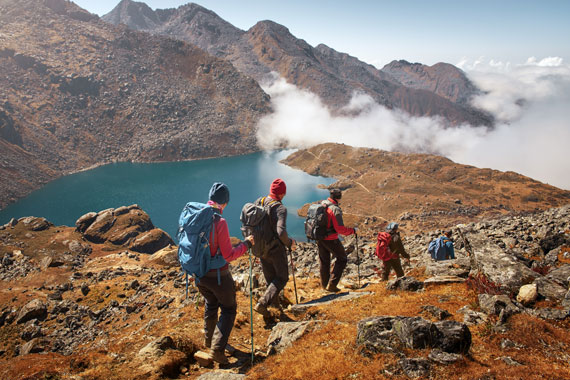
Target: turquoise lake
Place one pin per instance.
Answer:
(162, 190)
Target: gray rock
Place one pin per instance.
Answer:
(415, 332)
(85, 221)
(33, 223)
(472, 317)
(404, 283)
(151, 241)
(156, 348)
(415, 367)
(103, 223)
(494, 304)
(221, 375)
(34, 309)
(375, 334)
(436, 312)
(443, 280)
(510, 361)
(566, 301)
(453, 337)
(548, 313)
(560, 275)
(442, 357)
(459, 267)
(34, 346)
(550, 289)
(285, 333)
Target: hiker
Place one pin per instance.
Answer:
(442, 247)
(217, 286)
(274, 261)
(331, 244)
(397, 249)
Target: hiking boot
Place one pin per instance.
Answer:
(261, 309)
(219, 357)
(333, 288)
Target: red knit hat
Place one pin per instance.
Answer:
(278, 187)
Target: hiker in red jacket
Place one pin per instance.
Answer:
(219, 292)
(331, 244)
(274, 262)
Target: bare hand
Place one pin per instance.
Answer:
(293, 245)
(250, 239)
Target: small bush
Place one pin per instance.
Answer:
(482, 285)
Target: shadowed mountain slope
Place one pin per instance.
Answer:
(79, 92)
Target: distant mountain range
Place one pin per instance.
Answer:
(420, 90)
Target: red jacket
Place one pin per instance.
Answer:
(334, 216)
(221, 241)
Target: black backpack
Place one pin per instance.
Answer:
(316, 223)
(256, 221)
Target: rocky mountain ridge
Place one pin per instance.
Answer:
(79, 92)
(420, 90)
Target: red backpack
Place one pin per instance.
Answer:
(383, 247)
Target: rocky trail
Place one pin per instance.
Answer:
(83, 305)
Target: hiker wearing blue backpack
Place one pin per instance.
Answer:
(330, 245)
(442, 247)
(202, 226)
(274, 261)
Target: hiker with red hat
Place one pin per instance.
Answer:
(274, 261)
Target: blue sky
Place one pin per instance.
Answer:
(379, 31)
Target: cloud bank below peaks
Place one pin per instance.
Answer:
(530, 103)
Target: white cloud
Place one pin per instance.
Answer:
(530, 101)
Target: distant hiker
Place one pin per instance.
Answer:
(217, 285)
(389, 248)
(274, 261)
(331, 245)
(442, 247)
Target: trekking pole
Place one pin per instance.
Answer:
(251, 304)
(293, 271)
(357, 259)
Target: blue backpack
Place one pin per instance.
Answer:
(436, 249)
(194, 227)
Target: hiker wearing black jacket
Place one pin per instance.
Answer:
(217, 286)
(331, 244)
(398, 250)
(274, 262)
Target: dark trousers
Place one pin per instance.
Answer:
(276, 273)
(336, 249)
(392, 264)
(218, 296)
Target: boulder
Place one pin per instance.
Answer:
(285, 333)
(499, 267)
(436, 312)
(459, 267)
(375, 335)
(404, 283)
(527, 294)
(95, 233)
(35, 309)
(34, 346)
(156, 348)
(453, 337)
(494, 304)
(560, 275)
(77, 248)
(151, 241)
(392, 334)
(35, 224)
(167, 257)
(85, 221)
(550, 289)
(415, 332)
(443, 280)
